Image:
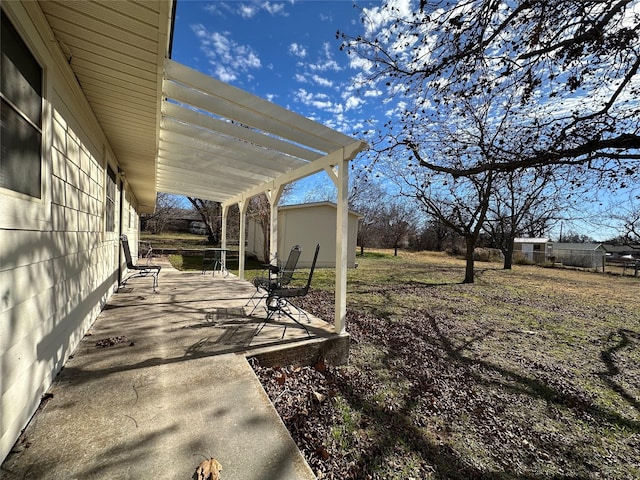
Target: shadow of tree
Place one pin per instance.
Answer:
(422, 362)
(608, 357)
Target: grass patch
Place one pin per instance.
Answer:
(194, 263)
(175, 240)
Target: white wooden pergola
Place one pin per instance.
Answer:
(220, 143)
(175, 130)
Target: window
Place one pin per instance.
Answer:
(21, 115)
(110, 210)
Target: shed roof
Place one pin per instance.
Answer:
(315, 205)
(532, 240)
(578, 246)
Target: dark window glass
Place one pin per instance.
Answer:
(110, 210)
(21, 115)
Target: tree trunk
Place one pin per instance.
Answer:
(395, 250)
(508, 255)
(468, 274)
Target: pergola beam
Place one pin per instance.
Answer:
(331, 160)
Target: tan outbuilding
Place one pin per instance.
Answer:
(307, 225)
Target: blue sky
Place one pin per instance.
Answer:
(286, 52)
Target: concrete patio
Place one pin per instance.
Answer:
(162, 382)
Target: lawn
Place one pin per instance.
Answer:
(531, 373)
(174, 240)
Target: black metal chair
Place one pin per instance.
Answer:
(275, 276)
(279, 299)
(138, 270)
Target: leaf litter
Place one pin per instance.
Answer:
(432, 395)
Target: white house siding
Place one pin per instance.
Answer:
(58, 266)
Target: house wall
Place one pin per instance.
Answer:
(307, 226)
(58, 265)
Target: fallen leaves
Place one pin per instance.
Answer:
(111, 341)
(208, 470)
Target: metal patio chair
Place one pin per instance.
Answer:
(275, 276)
(215, 259)
(279, 300)
(138, 270)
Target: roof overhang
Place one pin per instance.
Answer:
(116, 51)
(173, 129)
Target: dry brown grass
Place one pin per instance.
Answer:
(531, 373)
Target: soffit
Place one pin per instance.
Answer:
(116, 51)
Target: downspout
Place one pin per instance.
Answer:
(120, 222)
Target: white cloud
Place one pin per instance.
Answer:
(297, 50)
(250, 10)
(228, 58)
(323, 82)
(325, 61)
(353, 102)
(300, 78)
(373, 93)
(380, 16)
(247, 11)
(274, 8)
(318, 101)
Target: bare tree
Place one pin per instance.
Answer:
(211, 214)
(368, 198)
(167, 210)
(464, 132)
(567, 68)
(627, 218)
(525, 200)
(434, 235)
(632, 228)
(397, 220)
(260, 211)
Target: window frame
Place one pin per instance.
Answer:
(110, 180)
(18, 210)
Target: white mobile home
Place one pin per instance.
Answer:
(538, 250)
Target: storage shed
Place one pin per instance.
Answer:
(538, 250)
(584, 255)
(306, 225)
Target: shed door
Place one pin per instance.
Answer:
(527, 251)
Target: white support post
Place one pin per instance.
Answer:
(242, 206)
(342, 242)
(274, 197)
(223, 240)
